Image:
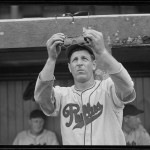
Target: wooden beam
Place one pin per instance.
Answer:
(118, 30)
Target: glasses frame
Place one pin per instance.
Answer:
(77, 39)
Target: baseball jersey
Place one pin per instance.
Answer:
(90, 117)
(45, 138)
(138, 136)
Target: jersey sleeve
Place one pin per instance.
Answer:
(121, 87)
(47, 96)
(57, 102)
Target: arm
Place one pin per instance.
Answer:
(105, 61)
(44, 94)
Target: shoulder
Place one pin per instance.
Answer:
(48, 132)
(63, 90)
(22, 134)
(142, 130)
(105, 84)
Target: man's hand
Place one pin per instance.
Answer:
(53, 45)
(96, 40)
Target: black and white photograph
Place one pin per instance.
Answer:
(74, 75)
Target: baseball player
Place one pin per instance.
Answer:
(36, 135)
(91, 110)
(135, 133)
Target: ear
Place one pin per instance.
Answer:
(69, 67)
(94, 64)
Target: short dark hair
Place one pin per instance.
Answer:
(76, 47)
(37, 114)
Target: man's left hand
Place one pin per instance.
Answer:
(96, 40)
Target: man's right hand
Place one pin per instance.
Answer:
(53, 45)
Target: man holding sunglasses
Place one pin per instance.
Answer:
(91, 110)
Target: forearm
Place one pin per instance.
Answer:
(123, 83)
(43, 93)
(107, 62)
(47, 72)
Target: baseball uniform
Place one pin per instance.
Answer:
(45, 138)
(93, 116)
(137, 136)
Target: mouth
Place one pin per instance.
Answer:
(80, 70)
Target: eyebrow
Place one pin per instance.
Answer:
(83, 56)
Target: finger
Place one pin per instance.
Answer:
(61, 34)
(90, 36)
(53, 39)
(94, 32)
(57, 43)
(58, 36)
(90, 33)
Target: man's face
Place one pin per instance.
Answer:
(36, 125)
(132, 121)
(81, 66)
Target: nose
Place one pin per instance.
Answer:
(79, 62)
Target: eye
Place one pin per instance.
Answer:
(84, 58)
(74, 59)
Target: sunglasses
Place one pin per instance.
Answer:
(77, 39)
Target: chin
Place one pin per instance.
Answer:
(82, 79)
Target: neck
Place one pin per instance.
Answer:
(83, 86)
(36, 134)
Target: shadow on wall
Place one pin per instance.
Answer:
(53, 124)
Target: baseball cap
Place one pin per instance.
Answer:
(76, 47)
(37, 114)
(131, 110)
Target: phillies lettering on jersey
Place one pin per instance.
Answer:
(90, 113)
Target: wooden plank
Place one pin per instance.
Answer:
(57, 128)
(26, 106)
(19, 107)
(11, 112)
(147, 102)
(3, 113)
(139, 102)
(139, 93)
(33, 105)
(34, 32)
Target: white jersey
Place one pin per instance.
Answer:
(45, 138)
(91, 117)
